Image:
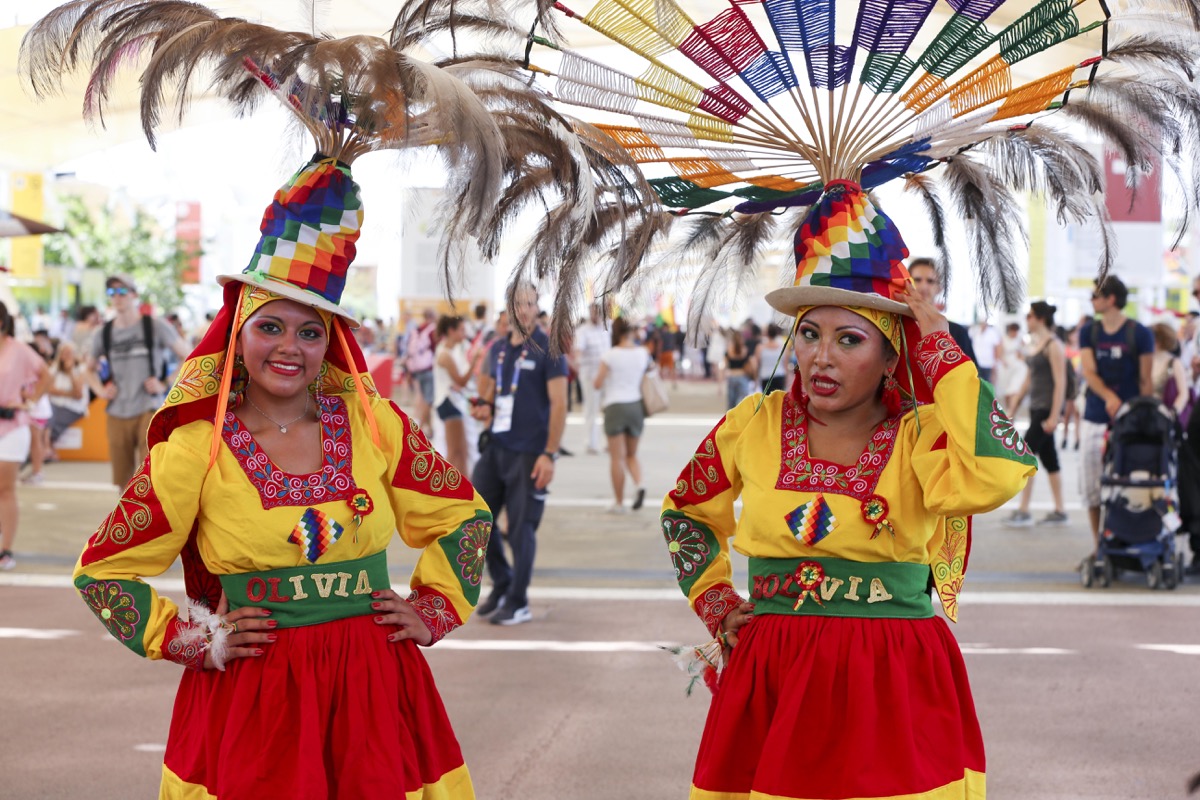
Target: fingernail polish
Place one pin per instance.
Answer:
(392, 637)
(376, 606)
(376, 594)
(266, 612)
(271, 637)
(271, 623)
(258, 652)
(379, 619)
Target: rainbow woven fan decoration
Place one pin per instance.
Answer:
(763, 104)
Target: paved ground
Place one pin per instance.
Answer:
(1082, 694)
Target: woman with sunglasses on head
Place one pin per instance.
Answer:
(856, 486)
(26, 378)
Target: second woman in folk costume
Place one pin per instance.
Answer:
(857, 486)
(275, 471)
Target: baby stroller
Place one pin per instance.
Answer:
(1139, 498)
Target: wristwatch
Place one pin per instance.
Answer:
(552, 456)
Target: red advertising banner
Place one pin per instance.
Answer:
(1125, 205)
(187, 238)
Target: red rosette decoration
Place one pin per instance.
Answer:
(809, 575)
(361, 504)
(874, 511)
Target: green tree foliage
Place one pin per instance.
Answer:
(138, 247)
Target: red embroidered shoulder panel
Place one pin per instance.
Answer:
(137, 519)
(703, 478)
(798, 472)
(422, 469)
(937, 354)
(335, 479)
(435, 611)
(715, 604)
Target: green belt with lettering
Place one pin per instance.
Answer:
(312, 593)
(834, 587)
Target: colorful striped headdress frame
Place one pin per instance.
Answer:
(308, 237)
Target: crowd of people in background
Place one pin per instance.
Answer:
(1038, 368)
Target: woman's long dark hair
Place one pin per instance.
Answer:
(8, 325)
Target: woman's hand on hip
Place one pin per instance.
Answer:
(249, 631)
(733, 622)
(395, 610)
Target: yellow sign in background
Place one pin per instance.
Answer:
(28, 200)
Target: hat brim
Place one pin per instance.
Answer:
(791, 299)
(291, 292)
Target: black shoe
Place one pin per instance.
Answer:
(512, 616)
(639, 499)
(1194, 567)
(562, 451)
(490, 606)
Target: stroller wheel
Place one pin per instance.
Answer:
(1170, 575)
(1154, 575)
(1106, 572)
(1087, 572)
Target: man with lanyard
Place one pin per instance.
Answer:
(523, 395)
(1116, 354)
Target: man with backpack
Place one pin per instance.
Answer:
(127, 358)
(1116, 354)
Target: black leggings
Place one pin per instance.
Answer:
(1041, 442)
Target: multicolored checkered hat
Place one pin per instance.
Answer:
(308, 236)
(848, 253)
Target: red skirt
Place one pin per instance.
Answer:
(329, 711)
(825, 708)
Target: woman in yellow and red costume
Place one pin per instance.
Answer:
(857, 488)
(279, 475)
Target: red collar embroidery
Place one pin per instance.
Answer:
(800, 473)
(335, 479)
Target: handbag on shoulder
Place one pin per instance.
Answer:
(654, 393)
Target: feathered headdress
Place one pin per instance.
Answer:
(735, 118)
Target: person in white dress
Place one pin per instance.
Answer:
(451, 373)
(620, 376)
(1011, 368)
(591, 343)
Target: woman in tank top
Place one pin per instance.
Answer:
(1046, 385)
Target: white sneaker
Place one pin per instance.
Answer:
(616, 509)
(516, 616)
(7, 561)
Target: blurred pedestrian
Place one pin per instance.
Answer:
(1010, 367)
(740, 366)
(451, 373)
(26, 377)
(772, 365)
(523, 399)
(419, 349)
(1168, 378)
(127, 355)
(68, 390)
(986, 342)
(927, 279)
(1117, 354)
(592, 341)
(620, 378)
(1046, 386)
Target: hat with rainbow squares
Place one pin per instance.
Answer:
(308, 237)
(848, 253)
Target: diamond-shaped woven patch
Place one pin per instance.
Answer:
(812, 521)
(315, 533)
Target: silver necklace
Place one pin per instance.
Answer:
(282, 425)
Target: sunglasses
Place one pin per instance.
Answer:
(118, 291)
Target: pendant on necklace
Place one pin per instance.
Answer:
(283, 428)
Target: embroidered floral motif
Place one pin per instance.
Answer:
(114, 607)
(138, 518)
(184, 644)
(800, 473)
(473, 544)
(809, 575)
(335, 479)
(937, 354)
(198, 377)
(950, 564)
(435, 611)
(704, 476)
(715, 604)
(690, 546)
(1005, 432)
(423, 469)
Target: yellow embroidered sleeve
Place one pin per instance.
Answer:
(142, 537)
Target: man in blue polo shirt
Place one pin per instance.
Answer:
(1116, 354)
(523, 396)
